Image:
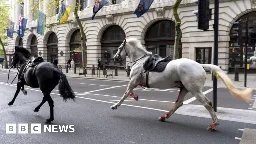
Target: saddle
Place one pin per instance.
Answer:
(31, 64)
(155, 63)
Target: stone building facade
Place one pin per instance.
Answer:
(155, 29)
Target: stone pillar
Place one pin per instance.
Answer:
(70, 3)
(16, 11)
(93, 53)
(91, 3)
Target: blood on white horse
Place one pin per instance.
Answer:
(183, 73)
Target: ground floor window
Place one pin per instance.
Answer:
(107, 55)
(161, 50)
(204, 55)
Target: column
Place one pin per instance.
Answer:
(70, 2)
(91, 3)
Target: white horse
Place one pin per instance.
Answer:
(183, 73)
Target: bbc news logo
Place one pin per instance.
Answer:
(36, 128)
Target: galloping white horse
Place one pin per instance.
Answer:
(183, 73)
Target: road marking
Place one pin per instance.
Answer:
(194, 98)
(237, 138)
(92, 84)
(118, 100)
(104, 85)
(241, 129)
(82, 83)
(229, 114)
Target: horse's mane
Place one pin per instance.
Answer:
(22, 51)
(137, 44)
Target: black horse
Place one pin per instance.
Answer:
(44, 75)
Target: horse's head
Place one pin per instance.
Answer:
(121, 52)
(20, 56)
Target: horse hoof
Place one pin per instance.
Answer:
(25, 92)
(162, 119)
(10, 103)
(49, 121)
(211, 129)
(136, 98)
(113, 107)
(36, 110)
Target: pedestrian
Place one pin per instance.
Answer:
(99, 63)
(69, 63)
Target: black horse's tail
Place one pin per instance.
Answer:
(64, 88)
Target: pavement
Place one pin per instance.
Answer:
(135, 122)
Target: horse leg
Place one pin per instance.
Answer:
(23, 90)
(178, 103)
(129, 89)
(208, 105)
(133, 95)
(51, 104)
(19, 85)
(39, 106)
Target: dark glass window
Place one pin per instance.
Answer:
(33, 46)
(204, 55)
(52, 47)
(236, 51)
(113, 34)
(22, 9)
(75, 48)
(161, 30)
(112, 38)
(83, 4)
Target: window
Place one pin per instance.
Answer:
(204, 55)
(83, 4)
(22, 9)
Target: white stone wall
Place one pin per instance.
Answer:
(122, 15)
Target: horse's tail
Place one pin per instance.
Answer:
(64, 88)
(242, 94)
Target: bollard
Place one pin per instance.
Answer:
(128, 71)
(93, 70)
(74, 68)
(116, 73)
(236, 74)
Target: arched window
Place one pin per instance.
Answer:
(75, 47)
(160, 38)
(236, 52)
(112, 38)
(33, 46)
(52, 47)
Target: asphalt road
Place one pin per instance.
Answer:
(134, 122)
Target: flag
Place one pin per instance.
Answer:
(143, 7)
(63, 13)
(98, 5)
(10, 30)
(41, 23)
(22, 26)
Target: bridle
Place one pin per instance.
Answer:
(123, 48)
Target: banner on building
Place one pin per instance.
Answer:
(63, 13)
(98, 5)
(22, 26)
(143, 7)
(10, 29)
(41, 23)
